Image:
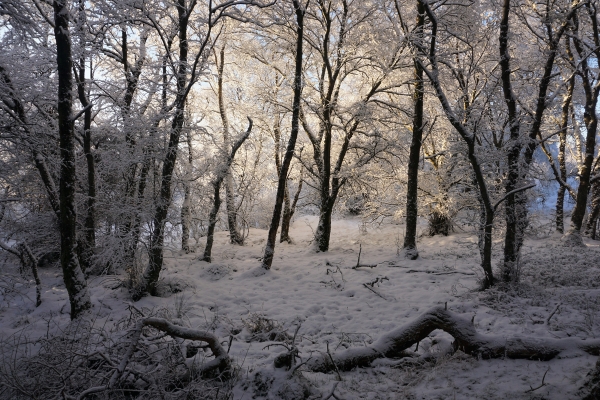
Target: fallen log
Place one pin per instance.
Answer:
(397, 342)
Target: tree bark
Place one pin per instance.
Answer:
(212, 220)
(591, 226)
(267, 260)
(288, 212)
(412, 211)
(74, 279)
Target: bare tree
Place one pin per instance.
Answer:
(267, 260)
(410, 236)
(234, 235)
(75, 281)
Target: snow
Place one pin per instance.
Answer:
(328, 298)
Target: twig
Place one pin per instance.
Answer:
(511, 193)
(552, 313)
(533, 389)
(80, 113)
(411, 271)
(358, 264)
(293, 370)
(373, 290)
(230, 341)
(333, 362)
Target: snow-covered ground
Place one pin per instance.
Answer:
(341, 307)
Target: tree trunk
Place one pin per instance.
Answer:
(148, 162)
(34, 270)
(412, 210)
(562, 142)
(221, 174)
(590, 229)
(187, 198)
(323, 233)
(155, 261)
(38, 158)
(591, 123)
(288, 212)
(513, 154)
(89, 237)
(282, 182)
(134, 234)
(234, 235)
(74, 279)
(212, 221)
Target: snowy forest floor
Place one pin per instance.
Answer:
(340, 307)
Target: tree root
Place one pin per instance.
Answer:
(397, 342)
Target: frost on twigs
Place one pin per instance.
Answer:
(263, 329)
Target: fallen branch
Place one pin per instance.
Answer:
(397, 342)
(377, 281)
(411, 271)
(222, 362)
(533, 389)
(552, 313)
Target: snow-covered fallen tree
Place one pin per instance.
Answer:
(398, 342)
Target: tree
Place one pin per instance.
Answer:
(220, 175)
(267, 260)
(75, 281)
(343, 57)
(186, 76)
(516, 207)
(234, 235)
(410, 237)
(591, 87)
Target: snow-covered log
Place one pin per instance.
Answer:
(466, 338)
